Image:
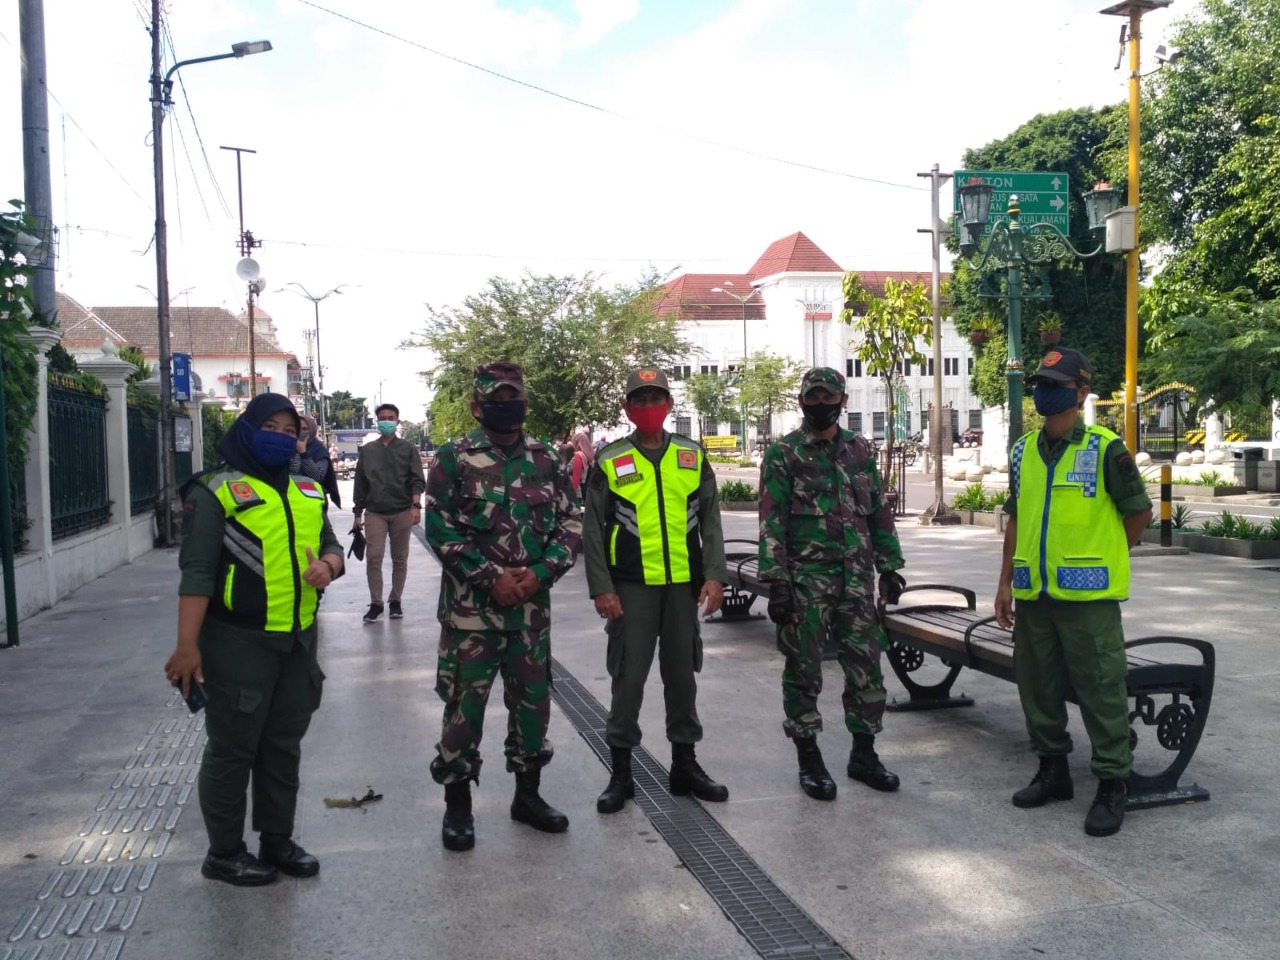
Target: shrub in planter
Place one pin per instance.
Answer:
(735, 491)
(972, 497)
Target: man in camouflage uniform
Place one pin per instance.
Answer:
(505, 525)
(825, 529)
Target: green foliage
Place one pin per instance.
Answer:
(972, 497)
(1087, 295)
(710, 396)
(16, 313)
(1211, 151)
(736, 491)
(576, 340)
(345, 412)
(1211, 478)
(1227, 524)
(141, 369)
(1049, 322)
(731, 461)
(988, 382)
(769, 383)
(215, 423)
(1180, 516)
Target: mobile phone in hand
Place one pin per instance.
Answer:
(197, 698)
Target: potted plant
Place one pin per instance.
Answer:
(981, 331)
(1050, 328)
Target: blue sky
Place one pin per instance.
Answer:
(417, 177)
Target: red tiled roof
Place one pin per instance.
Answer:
(692, 295)
(874, 280)
(200, 331)
(793, 254)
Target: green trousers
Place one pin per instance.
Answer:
(263, 689)
(665, 618)
(1059, 644)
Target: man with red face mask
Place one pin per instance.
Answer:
(654, 551)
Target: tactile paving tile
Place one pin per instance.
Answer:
(772, 922)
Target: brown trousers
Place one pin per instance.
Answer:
(377, 528)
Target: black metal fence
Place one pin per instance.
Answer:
(144, 458)
(894, 476)
(1162, 424)
(18, 504)
(78, 490)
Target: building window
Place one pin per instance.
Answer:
(853, 368)
(971, 366)
(708, 428)
(950, 366)
(713, 368)
(680, 372)
(975, 419)
(682, 423)
(877, 425)
(735, 428)
(855, 422)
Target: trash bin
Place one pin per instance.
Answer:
(1269, 476)
(1246, 460)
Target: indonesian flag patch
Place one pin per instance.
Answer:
(309, 488)
(687, 459)
(624, 466)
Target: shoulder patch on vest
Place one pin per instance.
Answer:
(687, 459)
(242, 492)
(309, 488)
(624, 466)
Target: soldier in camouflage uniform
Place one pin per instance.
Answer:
(825, 529)
(505, 525)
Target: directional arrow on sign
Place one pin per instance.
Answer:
(1043, 196)
(1057, 204)
(1057, 183)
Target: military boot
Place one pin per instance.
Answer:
(459, 829)
(1107, 812)
(814, 778)
(528, 807)
(864, 765)
(688, 777)
(1051, 782)
(621, 787)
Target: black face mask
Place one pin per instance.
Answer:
(502, 416)
(820, 416)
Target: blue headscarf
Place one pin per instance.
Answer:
(236, 447)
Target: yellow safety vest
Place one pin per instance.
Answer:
(653, 532)
(264, 545)
(1071, 541)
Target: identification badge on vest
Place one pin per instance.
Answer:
(309, 488)
(1085, 469)
(243, 494)
(687, 459)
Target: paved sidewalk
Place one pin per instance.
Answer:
(946, 868)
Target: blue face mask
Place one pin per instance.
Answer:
(1050, 399)
(272, 448)
(386, 427)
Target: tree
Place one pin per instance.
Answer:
(16, 313)
(576, 340)
(710, 396)
(141, 369)
(1211, 151)
(889, 329)
(768, 383)
(1088, 295)
(1227, 346)
(345, 411)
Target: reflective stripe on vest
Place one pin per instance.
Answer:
(264, 544)
(653, 536)
(1071, 542)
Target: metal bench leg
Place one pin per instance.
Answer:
(906, 660)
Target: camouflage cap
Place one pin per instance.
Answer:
(503, 373)
(647, 377)
(828, 377)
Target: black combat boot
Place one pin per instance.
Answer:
(621, 787)
(528, 807)
(459, 829)
(239, 868)
(864, 765)
(1107, 812)
(1051, 782)
(286, 856)
(814, 778)
(688, 777)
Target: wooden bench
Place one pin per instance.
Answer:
(1171, 696)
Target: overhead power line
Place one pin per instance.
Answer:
(492, 256)
(605, 110)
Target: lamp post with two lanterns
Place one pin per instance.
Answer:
(1011, 265)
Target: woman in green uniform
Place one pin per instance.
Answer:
(257, 546)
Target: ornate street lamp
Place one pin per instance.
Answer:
(1012, 249)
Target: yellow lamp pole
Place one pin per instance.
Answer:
(1133, 10)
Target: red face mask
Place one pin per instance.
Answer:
(647, 419)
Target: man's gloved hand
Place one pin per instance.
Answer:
(891, 586)
(782, 603)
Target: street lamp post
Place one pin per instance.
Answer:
(315, 302)
(742, 298)
(161, 87)
(1011, 249)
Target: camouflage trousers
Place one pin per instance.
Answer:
(469, 660)
(828, 608)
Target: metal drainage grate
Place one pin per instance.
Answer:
(772, 922)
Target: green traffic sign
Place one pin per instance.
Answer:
(1042, 197)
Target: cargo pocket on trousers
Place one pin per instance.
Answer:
(613, 653)
(447, 670)
(317, 685)
(697, 646)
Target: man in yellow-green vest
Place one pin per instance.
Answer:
(654, 552)
(1077, 504)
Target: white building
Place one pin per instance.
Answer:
(789, 304)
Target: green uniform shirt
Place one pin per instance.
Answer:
(1123, 482)
(388, 477)
(596, 550)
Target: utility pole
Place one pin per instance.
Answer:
(37, 186)
(937, 512)
(247, 245)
